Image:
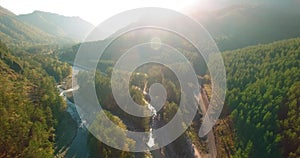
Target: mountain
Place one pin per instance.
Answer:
(4, 11)
(246, 24)
(13, 31)
(237, 24)
(263, 97)
(30, 105)
(39, 28)
(58, 25)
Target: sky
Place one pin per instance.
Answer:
(93, 11)
(96, 11)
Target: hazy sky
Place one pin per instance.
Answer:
(94, 11)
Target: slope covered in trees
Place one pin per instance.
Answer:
(250, 23)
(261, 81)
(263, 95)
(29, 106)
(13, 31)
(40, 28)
(58, 25)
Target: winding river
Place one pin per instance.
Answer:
(78, 146)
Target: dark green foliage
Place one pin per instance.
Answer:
(68, 54)
(8, 59)
(39, 28)
(54, 67)
(259, 80)
(17, 33)
(170, 110)
(45, 57)
(238, 26)
(107, 102)
(100, 127)
(29, 107)
(290, 122)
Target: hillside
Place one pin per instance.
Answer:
(247, 24)
(239, 25)
(41, 28)
(34, 121)
(30, 106)
(13, 31)
(4, 11)
(58, 25)
(263, 97)
(260, 118)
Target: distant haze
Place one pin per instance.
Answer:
(97, 11)
(90, 10)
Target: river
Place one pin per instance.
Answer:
(151, 142)
(77, 145)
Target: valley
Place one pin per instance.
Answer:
(41, 116)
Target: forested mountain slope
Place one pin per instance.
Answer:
(41, 28)
(250, 23)
(263, 95)
(57, 25)
(13, 31)
(29, 106)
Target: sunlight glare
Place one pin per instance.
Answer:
(91, 10)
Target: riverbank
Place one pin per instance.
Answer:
(65, 133)
(71, 134)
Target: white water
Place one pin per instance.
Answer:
(151, 142)
(68, 90)
(78, 147)
(152, 109)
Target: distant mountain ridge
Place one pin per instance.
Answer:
(41, 28)
(58, 25)
(232, 27)
(15, 32)
(243, 25)
(238, 25)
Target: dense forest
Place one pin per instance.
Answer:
(41, 28)
(117, 115)
(263, 96)
(260, 118)
(30, 104)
